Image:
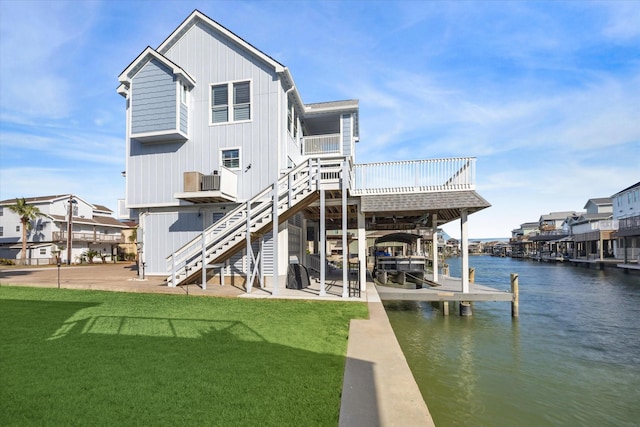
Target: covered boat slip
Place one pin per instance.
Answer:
(399, 257)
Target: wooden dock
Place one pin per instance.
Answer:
(450, 290)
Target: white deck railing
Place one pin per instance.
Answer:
(316, 145)
(415, 176)
(602, 225)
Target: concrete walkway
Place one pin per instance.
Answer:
(378, 388)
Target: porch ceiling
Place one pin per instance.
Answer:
(398, 211)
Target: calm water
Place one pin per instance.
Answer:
(571, 359)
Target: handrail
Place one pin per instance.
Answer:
(430, 175)
(235, 224)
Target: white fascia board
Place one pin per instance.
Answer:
(296, 94)
(123, 90)
(197, 15)
(146, 56)
(155, 205)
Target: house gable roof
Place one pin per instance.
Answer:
(600, 201)
(197, 16)
(636, 185)
(147, 55)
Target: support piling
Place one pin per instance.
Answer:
(514, 290)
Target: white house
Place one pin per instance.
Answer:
(626, 210)
(92, 227)
(228, 169)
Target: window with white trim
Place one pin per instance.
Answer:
(231, 102)
(231, 158)
(17, 228)
(183, 93)
(1, 230)
(43, 251)
(290, 116)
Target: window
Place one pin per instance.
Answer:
(290, 116)
(183, 94)
(43, 251)
(1, 231)
(219, 104)
(221, 101)
(241, 102)
(17, 228)
(1, 212)
(231, 158)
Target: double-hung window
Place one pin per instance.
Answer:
(231, 102)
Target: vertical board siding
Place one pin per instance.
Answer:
(155, 171)
(211, 59)
(346, 135)
(165, 233)
(267, 254)
(153, 99)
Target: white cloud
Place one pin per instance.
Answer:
(623, 20)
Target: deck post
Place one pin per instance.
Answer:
(514, 290)
(445, 308)
(323, 244)
(249, 248)
(204, 261)
(434, 247)
(275, 239)
(464, 247)
(345, 243)
(362, 249)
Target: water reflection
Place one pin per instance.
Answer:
(572, 358)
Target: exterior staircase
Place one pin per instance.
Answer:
(253, 219)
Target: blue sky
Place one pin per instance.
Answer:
(545, 94)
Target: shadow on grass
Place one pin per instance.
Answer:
(62, 366)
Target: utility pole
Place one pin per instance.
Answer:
(70, 229)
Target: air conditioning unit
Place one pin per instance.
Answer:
(211, 182)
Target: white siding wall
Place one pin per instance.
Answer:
(165, 232)
(347, 135)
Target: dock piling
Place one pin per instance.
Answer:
(445, 308)
(514, 290)
(465, 308)
(472, 275)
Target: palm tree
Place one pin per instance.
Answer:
(27, 213)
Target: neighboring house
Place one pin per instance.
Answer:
(93, 228)
(626, 210)
(551, 240)
(592, 231)
(520, 241)
(227, 168)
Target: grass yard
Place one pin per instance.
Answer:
(71, 357)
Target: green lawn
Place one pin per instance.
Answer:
(102, 358)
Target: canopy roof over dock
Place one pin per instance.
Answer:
(406, 238)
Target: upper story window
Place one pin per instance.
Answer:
(290, 116)
(231, 102)
(183, 93)
(231, 158)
